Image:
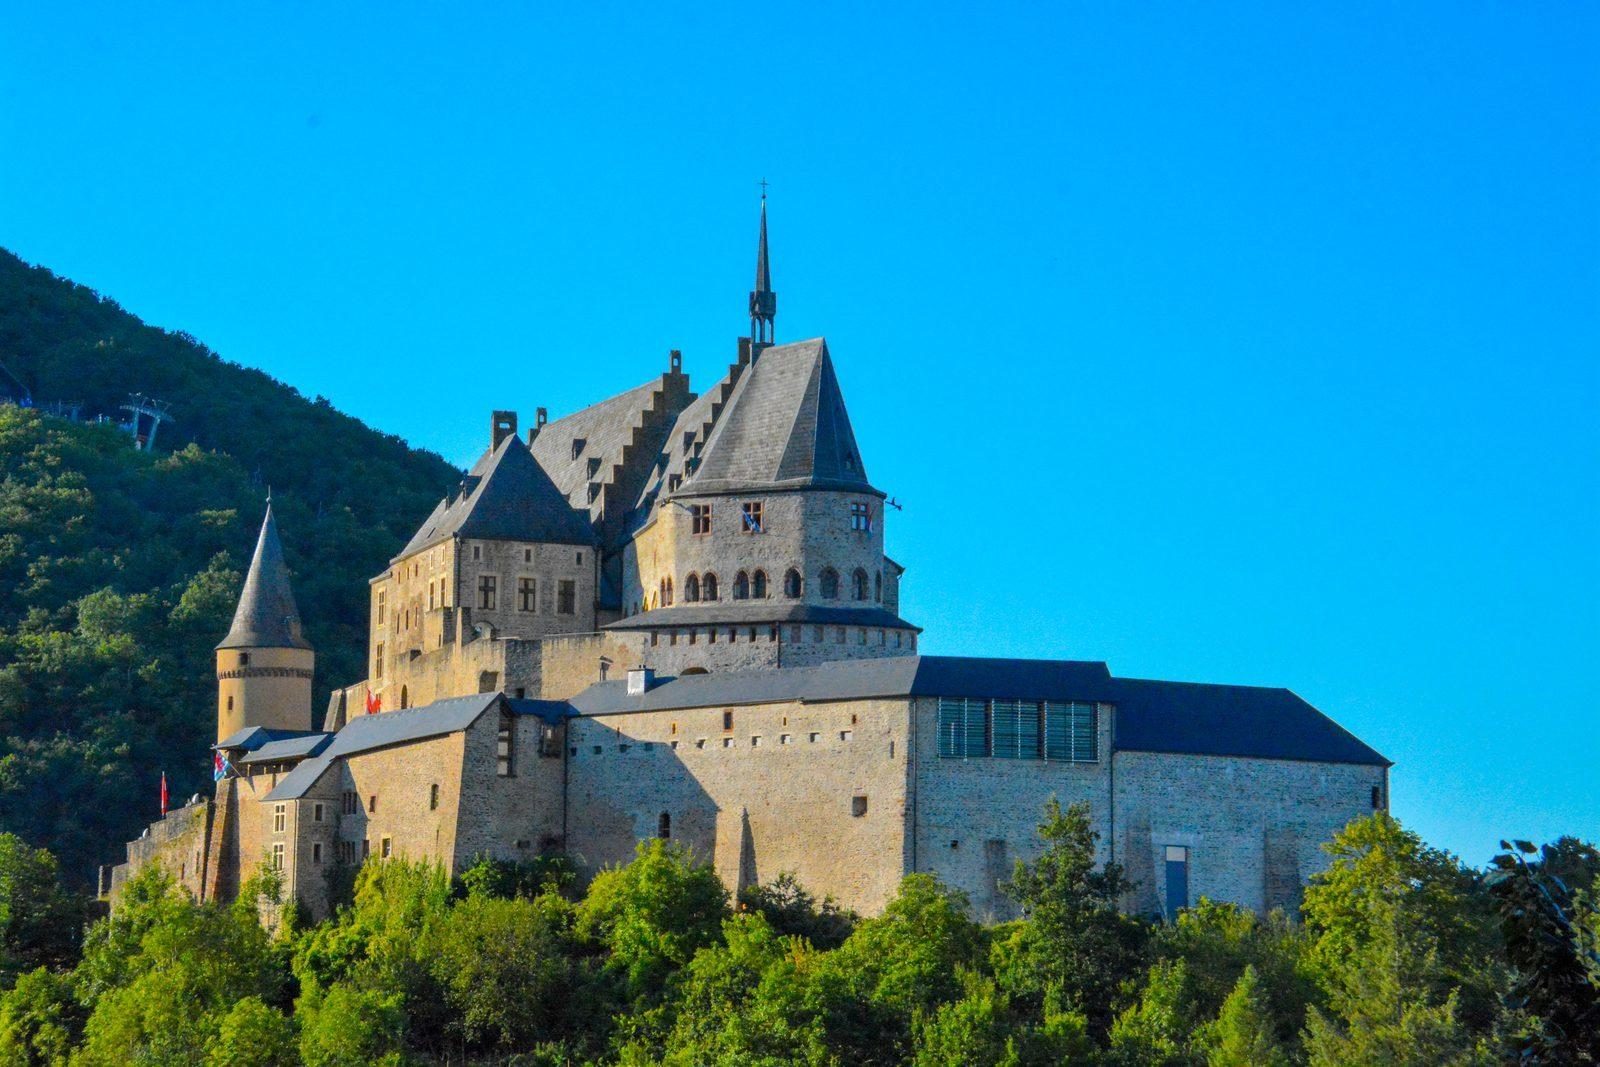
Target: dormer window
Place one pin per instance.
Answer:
(594, 465)
(674, 481)
(578, 445)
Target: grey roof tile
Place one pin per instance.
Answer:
(383, 729)
(287, 749)
(785, 426)
(507, 496)
(266, 616)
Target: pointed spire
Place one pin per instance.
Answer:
(763, 301)
(266, 616)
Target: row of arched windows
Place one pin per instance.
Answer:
(752, 585)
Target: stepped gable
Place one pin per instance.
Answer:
(785, 427)
(684, 446)
(266, 616)
(602, 454)
(507, 496)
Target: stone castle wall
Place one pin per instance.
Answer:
(745, 799)
(1253, 827)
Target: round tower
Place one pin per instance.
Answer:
(264, 665)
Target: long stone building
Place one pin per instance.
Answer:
(671, 614)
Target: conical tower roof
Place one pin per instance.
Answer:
(266, 616)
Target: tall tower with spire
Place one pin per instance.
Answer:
(264, 665)
(763, 301)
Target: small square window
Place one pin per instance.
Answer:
(845, 735)
(815, 737)
(727, 742)
(858, 806)
(700, 742)
(596, 750)
(784, 739)
(755, 741)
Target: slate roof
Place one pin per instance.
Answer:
(1230, 720)
(1170, 717)
(506, 496)
(605, 429)
(785, 426)
(368, 732)
(743, 612)
(253, 737)
(287, 749)
(683, 443)
(266, 616)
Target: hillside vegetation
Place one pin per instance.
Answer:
(1400, 956)
(119, 569)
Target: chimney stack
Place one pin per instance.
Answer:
(501, 426)
(640, 679)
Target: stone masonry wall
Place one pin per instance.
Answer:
(747, 800)
(1254, 827)
(179, 843)
(975, 817)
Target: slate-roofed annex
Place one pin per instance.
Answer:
(506, 496)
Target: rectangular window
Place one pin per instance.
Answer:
(784, 739)
(858, 806)
(963, 727)
(1177, 880)
(1016, 729)
(750, 512)
(316, 813)
(860, 517)
(505, 748)
(372, 804)
(525, 594)
(674, 482)
(433, 797)
(486, 591)
(383, 596)
(727, 720)
(316, 852)
(727, 742)
(845, 735)
(278, 819)
(377, 662)
(277, 857)
(477, 552)
(815, 737)
(1071, 732)
(700, 518)
(386, 847)
(567, 598)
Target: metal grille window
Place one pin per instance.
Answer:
(1016, 729)
(1071, 732)
(963, 727)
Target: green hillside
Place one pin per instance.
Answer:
(119, 568)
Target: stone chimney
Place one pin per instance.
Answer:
(640, 679)
(501, 426)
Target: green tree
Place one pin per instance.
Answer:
(794, 912)
(40, 924)
(1552, 954)
(254, 1035)
(1402, 939)
(350, 1027)
(1160, 1027)
(1244, 1034)
(1075, 946)
(652, 915)
(40, 1020)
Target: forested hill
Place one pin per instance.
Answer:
(119, 568)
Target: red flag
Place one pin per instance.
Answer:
(163, 793)
(374, 702)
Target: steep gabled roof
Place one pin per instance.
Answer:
(266, 616)
(506, 496)
(598, 436)
(786, 426)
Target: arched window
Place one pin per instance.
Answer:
(691, 588)
(708, 586)
(664, 826)
(758, 585)
(877, 586)
(858, 584)
(741, 586)
(792, 585)
(830, 584)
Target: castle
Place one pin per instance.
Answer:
(671, 615)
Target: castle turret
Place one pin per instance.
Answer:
(264, 665)
(763, 301)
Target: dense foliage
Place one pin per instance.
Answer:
(1400, 956)
(119, 569)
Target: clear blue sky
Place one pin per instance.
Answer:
(1241, 343)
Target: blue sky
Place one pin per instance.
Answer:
(1242, 343)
